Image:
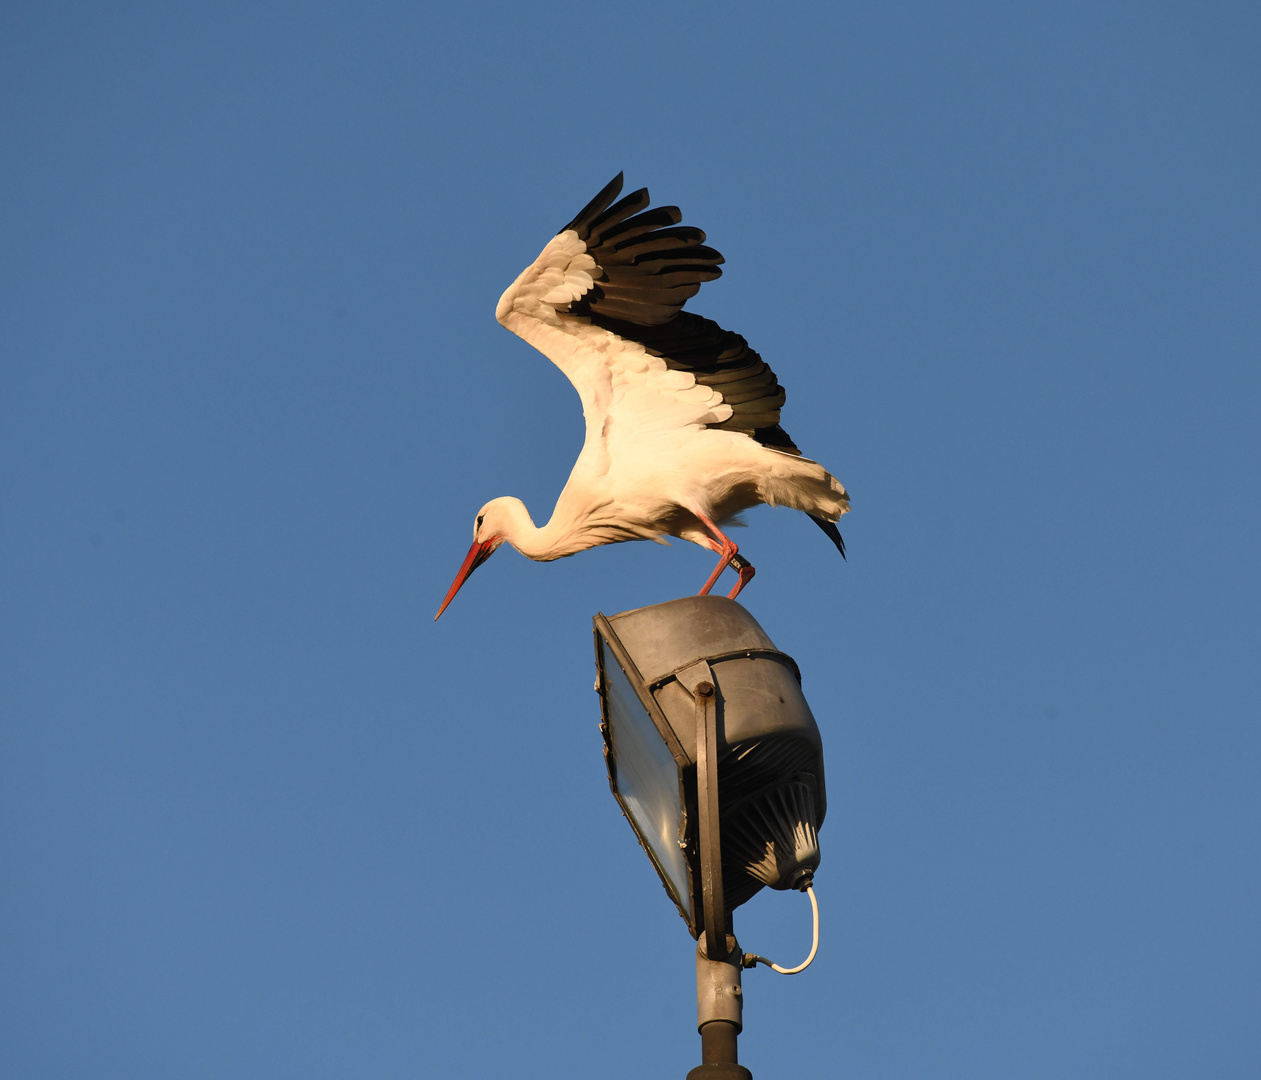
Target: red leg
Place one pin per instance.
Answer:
(726, 552)
(728, 555)
(745, 568)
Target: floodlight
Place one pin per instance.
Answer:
(716, 760)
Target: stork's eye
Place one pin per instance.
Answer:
(479, 522)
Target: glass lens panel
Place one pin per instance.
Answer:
(647, 779)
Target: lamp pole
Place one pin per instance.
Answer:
(719, 1001)
(719, 995)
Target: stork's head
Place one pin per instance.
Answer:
(489, 531)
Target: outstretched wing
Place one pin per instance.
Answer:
(628, 270)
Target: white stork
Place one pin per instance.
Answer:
(682, 416)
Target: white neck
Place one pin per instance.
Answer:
(558, 538)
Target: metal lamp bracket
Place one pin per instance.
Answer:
(699, 681)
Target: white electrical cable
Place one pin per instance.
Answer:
(750, 959)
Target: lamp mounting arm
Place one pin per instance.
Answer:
(707, 807)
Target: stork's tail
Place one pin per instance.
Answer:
(805, 485)
(833, 533)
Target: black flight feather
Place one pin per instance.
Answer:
(833, 533)
(581, 224)
(649, 266)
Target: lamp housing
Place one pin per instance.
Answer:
(770, 784)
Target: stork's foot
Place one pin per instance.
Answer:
(727, 554)
(745, 569)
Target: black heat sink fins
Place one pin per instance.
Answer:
(744, 772)
(775, 837)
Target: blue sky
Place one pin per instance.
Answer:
(260, 817)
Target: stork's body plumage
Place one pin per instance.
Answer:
(682, 416)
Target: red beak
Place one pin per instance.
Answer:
(477, 555)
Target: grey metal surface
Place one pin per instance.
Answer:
(691, 677)
(667, 637)
(719, 994)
